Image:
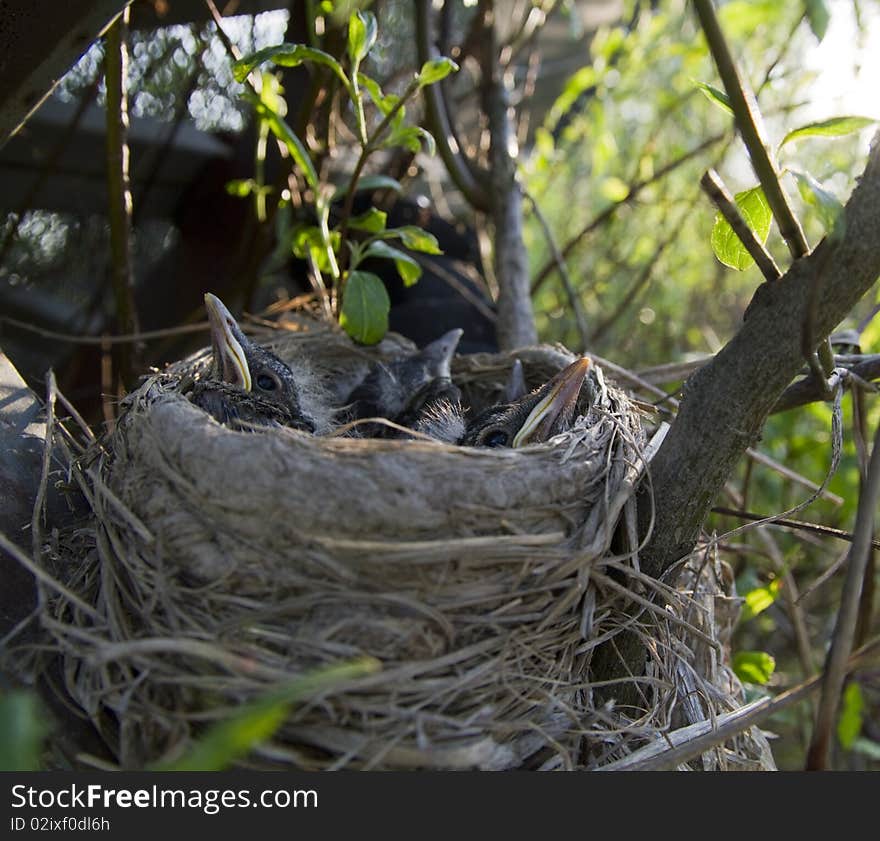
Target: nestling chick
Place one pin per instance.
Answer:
(249, 384)
(534, 418)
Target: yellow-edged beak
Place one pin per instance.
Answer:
(562, 392)
(229, 356)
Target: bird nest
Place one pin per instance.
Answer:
(219, 564)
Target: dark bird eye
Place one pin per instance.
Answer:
(495, 438)
(265, 382)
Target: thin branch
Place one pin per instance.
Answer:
(633, 191)
(714, 188)
(844, 630)
(751, 129)
(573, 299)
(119, 188)
(437, 118)
(100, 341)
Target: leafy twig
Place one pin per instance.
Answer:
(714, 188)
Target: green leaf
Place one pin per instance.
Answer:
(369, 183)
(362, 31)
(582, 80)
(753, 666)
(434, 70)
(852, 706)
(868, 748)
(372, 221)
(427, 140)
(408, 269)
(827, 206)
(229, 740)
(759, 599)
(818, 16)
(365, 308)
(756, 213)
(241, 187)
(22, 731)
(287, 55)
(614, 189)
(384, 102)
(307, 241)
(835, 127)
(721, 99)
(417, 239)
(405, 136)
(285, 134)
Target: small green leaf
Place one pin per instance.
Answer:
(427, 140)
(759, 599)
(406, 136)
(835, 127)
(754, 666)
(721, 99)
(241, 187)
(369, 183)
(852, 706)
(286, 135)
(581, 81)
(434, 70)
(614, 189)
(384, 102)
(756, 213)
(307, 241)
(229, 740)
(365, 308)
(408, 269)
(362, 31)
(372, 221)
(818, 16)
(22, 731)
(417, 239)
(287, 55)
(827, 206)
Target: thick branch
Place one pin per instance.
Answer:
(726, 402)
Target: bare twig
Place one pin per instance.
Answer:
(573, 299)
(836, 665)
(714, 188)
(633, 191)
(101, 341)
(119, 188)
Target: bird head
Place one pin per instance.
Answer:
(534, 418)
(246, 365)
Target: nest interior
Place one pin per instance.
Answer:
(218, 564)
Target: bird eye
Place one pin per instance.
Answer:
(495, 438)
(266, 382)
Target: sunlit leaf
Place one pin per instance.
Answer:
(581, 81)
(256, 722)
(754, 666)
(371, 220)
(756, 213)
(417, 239)
(614, 189)
(369, 183)
(384, 102)
(436, 69)
(721, 99)
(286, 135)
(365, 308)
(818, 17)
(362, 31)
(759, 599)
(308, 241)
(741, 18)
(827, 206)
(22, 731)
(241, 187)
(849, 723)
(835, 127)
(408, 269)
(287, 55)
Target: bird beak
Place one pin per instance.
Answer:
(439, 353)
(227, 340)
(559, 399)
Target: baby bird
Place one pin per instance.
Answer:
(404, 388)
(533, 418)
(249, 384)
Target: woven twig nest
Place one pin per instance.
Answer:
(224, 563)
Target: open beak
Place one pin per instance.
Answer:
(226, 339)
(557, 401)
